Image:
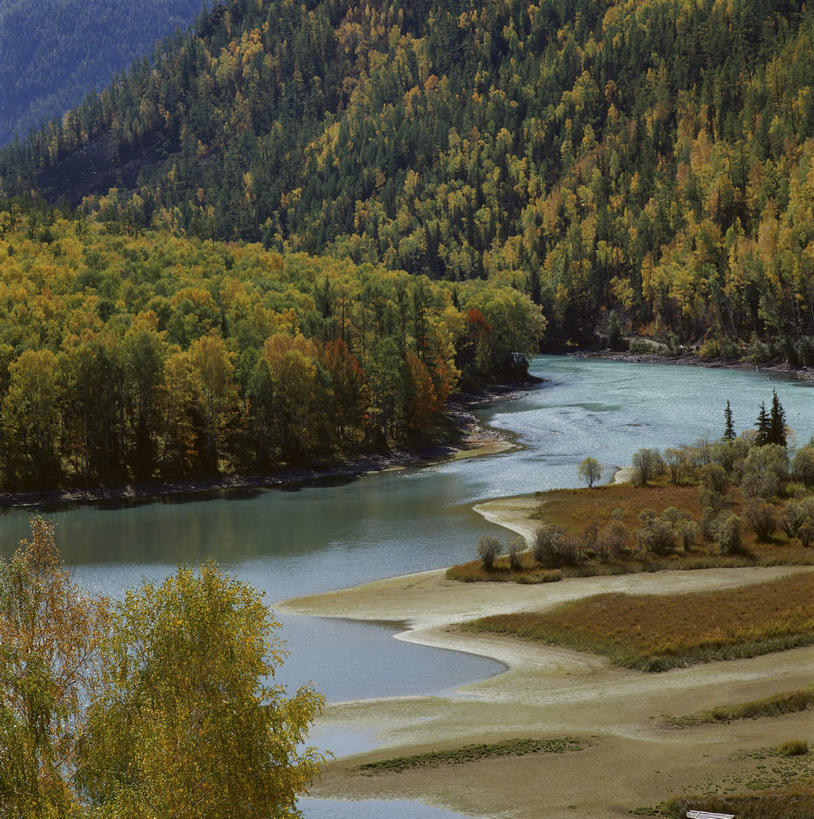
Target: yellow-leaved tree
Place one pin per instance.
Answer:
(185, 723)
(49, 635)
(160, 706)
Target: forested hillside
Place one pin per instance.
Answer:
(650, 158)
(155, 357)
(53, 52)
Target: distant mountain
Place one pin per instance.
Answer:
(53, 52)
(649, 159)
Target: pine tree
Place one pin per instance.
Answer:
(729, 431)
(763, 425)
(777, 422)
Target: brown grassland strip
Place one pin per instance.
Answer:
(575, 509)
(472, 753)
(790, 703)
(796, 803)
(659, 632)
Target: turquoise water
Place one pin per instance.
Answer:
(316, 539)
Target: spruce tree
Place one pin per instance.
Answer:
(777, 422)
(763, 424)
(729, 431)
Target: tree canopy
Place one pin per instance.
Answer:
(163, 704)
(652, 159)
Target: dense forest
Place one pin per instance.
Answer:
(53, 52)
(150, 356)
(646, 165)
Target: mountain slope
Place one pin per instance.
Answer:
(53, 52)
(651, 157)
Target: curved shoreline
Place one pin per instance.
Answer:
(548, 691)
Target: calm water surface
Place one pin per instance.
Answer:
(293, 543)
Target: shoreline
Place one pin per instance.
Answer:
(690, 359)
(547, 691)
(469, 439)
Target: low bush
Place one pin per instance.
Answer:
(488, 550)
(550, 576)
(516, 546)
(762, 518)
(794, 747)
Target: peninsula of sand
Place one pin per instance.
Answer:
(630, 757)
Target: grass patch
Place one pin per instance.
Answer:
(576, 509)
(794, 747)
(472, 753)
(656, 633)
(775, 706)
(795, 803)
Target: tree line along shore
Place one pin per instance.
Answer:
(142, 358)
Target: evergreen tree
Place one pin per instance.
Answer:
(777, 422)
(729, 431)
(763, 425)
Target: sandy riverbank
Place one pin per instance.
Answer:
(632, 759)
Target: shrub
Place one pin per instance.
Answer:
(488, 550)
(647, 464)
(731, 454)
(677, 463)
(709, 523)
(638, 346)
(728, 535)
(802, 466)
(768, 458)
(759, 484)
(569, 550)
(688, 534)
(673, 515)
(546, 540)
(714, 478)
(798, 514)
(794, 747)
(657, 535)
(550, 576)
(707, 499)
(616, 338)
(805, 534)
(612, 541)
(516, 546)
(761, 517)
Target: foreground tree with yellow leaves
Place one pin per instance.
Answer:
(49, 665)
(160, 706)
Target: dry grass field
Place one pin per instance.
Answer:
(658, 632)
(576, 510)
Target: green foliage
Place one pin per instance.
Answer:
(49, 633)
(647, 464)
(158, 357)
(472, 753)
(185, 720)
(161, 707)
(589, 471)
(728, 535)
(653, 159)
(761, 517)
(729, 427)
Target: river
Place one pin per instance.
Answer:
(315, 539)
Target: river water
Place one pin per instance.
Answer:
(315, 539)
